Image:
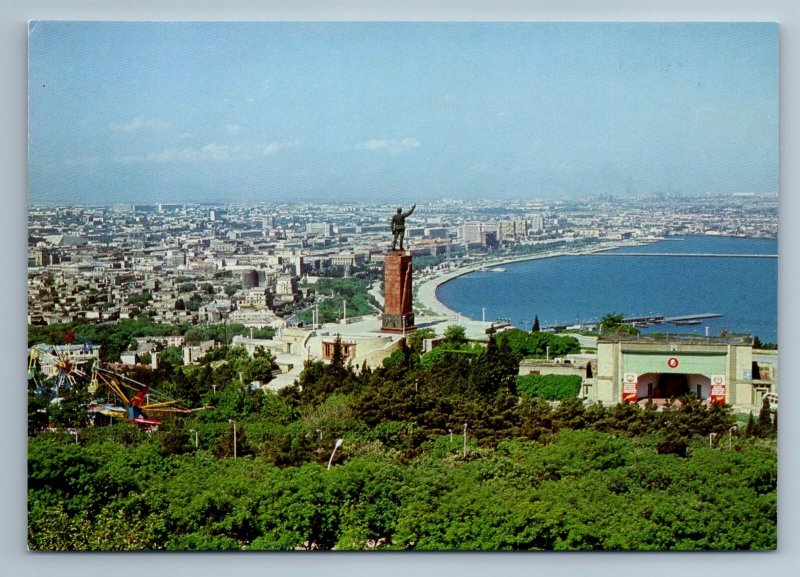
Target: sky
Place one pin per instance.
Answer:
(243, 112)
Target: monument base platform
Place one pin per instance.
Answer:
(398, 313)
(398, 323)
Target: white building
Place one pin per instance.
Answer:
(323, 229)
(471, 233)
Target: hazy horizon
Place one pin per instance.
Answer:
(248, 113)
(511, 204)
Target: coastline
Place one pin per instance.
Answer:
(426, 291)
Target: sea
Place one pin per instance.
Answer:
(581, 289)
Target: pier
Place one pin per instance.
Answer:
(640, 321)
(695, 254)
(691, 318)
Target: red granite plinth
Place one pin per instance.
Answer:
(398, 313)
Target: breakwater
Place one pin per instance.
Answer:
(684, 254)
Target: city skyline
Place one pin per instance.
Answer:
(230, 112)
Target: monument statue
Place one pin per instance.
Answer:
(399, 226)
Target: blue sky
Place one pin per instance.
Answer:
(274, 112)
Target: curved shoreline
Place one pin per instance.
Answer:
(426, 292)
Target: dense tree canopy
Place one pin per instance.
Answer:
(539, 345)
(440, 452)
(582, 490)
(115, 338)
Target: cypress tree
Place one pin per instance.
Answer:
(750, 429)
(337, 356)
(764, 419)
(536, 328)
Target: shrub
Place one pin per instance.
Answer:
(550, 387)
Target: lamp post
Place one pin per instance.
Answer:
(711, 439)
(234, 436)
(336, 446)
(451, 435)
(465, 440)
(730, 435)
(196, 442)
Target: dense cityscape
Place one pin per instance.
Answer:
(247, 264)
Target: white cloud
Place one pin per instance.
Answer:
(138, 123)
(209, 152)
(187, 154)
(275, 147)
(131, 126)
(214, 151)
(232, 129)
(166, 155)
(389, 145)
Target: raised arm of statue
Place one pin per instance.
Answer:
(405, 214)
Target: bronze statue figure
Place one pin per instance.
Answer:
(399, 226)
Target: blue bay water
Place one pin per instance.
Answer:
(571, 289)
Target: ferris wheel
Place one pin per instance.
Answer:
(60, 366)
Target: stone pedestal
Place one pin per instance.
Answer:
(398, 315)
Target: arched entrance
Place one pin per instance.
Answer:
(671, 385)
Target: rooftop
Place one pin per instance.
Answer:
(667, 338)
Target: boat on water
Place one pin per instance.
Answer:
(498, 269)
(688, 322)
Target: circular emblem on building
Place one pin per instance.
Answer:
(630, 378)
(673, 362)
(717, 380)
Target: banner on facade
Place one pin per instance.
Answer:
(717, 389)
(630, 383)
